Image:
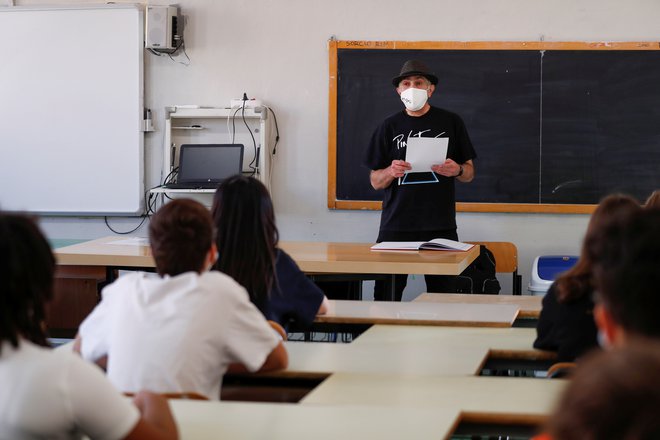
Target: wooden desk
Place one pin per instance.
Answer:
(101, 252)
(502, 339)
(419, 313)
(509, 348)
(75, 294)
(312, 257)
(319, 360)
(529, 305)
(358, 258)
(426, 368)
(312, 363)
(512, 400)
(412, 351)
(202, 420)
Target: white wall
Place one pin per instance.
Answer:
(277, 51)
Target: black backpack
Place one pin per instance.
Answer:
(479, 277)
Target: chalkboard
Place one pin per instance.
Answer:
(556, 126)
(71, 110)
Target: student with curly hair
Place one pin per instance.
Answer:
(53, 393)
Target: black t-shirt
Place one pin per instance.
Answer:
(295, 297)
(422, 206)
(569, 328)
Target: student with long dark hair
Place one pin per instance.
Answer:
(566, 324)
(247, 240)
(53, 393)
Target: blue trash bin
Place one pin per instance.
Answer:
(546, 269)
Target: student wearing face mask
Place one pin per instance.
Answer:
(419, 211)
(626, 259)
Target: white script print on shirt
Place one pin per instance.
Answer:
(400, 142)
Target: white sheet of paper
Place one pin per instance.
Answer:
(423, 152)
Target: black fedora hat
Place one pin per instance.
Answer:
(414, 68)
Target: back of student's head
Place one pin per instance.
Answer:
(653, 202)
(613, 394)
(27, 266)
(578, 280)
(626, 257)
(246, 234)
(181, 234)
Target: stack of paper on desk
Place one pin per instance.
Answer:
(437, 244)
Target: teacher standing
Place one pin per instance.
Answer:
(425, 208)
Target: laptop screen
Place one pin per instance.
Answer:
(209, 162)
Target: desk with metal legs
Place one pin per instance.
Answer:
(312, 257)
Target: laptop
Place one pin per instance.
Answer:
(205, 166)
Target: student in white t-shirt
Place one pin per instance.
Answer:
(180, 330)
(47, 393)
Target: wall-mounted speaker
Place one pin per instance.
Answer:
(161, 30)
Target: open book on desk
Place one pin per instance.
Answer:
(437, 244)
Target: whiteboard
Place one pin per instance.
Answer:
(71, 103)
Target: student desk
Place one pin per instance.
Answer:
(424, 368)
(202, 420)
(480, 399)
(369, 407)
(312, 362)
(419, 313)
(75, 294)
(529, 305)
(413, 351)
(502, 348)
(318, 360)
(312, 257)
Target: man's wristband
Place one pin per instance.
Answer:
(460, 171)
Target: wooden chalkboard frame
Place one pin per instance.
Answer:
(334, 46)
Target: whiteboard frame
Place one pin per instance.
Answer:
(71, 106)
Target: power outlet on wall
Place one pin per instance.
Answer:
(249, 103)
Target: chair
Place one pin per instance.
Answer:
(506, 260)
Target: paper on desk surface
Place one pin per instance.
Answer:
(131, 241)
(423, 152)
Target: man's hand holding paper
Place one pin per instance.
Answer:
(448, 169)
(398, 168)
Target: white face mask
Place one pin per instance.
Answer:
(414, 99)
